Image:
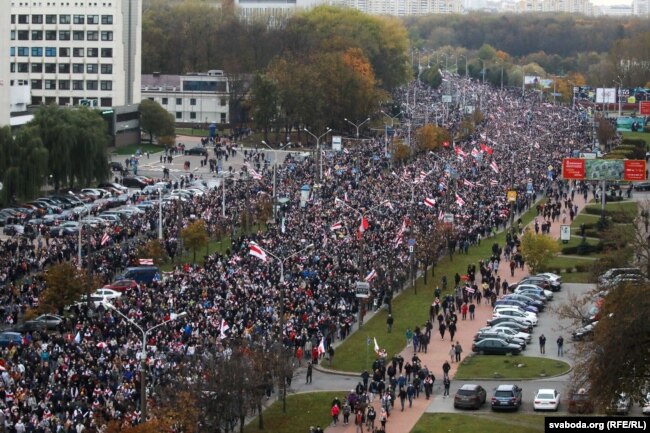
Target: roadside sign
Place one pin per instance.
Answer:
(565, 233)
(644, 108)
(411, 242)
(362, 289)
(446, 98)
(336, 142)
(603, 169)
(410, 248)
(512, 196)
(449, 218)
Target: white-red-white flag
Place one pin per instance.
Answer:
(336, 226)
(430, 202)
(371, 276)
(460, 201)
(145, 261)
(255, 174)
(494, 166)
(256, 251)
(441, 215)
(223, 329)
(388, 204)
(321, 346)
(468, 183)
(105, 239)
(494, 182)
(376, 346)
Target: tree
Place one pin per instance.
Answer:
(65, 285)
(23, 164)
(432, 77)
(430, 241)
(264, 95)
(155, 120)
(430, 137)
(195, 236)
(537, 249)
(605, 130)
(153, 249)
(402, 153)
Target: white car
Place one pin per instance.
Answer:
(546, 399)
(551, 276)
(508, 331)
(645, 408)
(515, 314)
(106, 294)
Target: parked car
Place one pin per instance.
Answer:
(114, 185)
(122, 285)
(511, 323)
(506, 397)
(621, 404)
(141, 274)
(623, 279)
(526, 300)
(642, 186)
(540, 295)
(614, 272)
(198, 150)
(64, 229)
(495, 346)
(133, 182)
(580, 402)
(513, 333)
(9, 338)
(551, 276)
(516, 314)
(482, 335)
(116, 166)
(584, 333)
(645, 405)
(470, 396)
(516, 303)
(542, 282)
(546, 399)
(107, 294)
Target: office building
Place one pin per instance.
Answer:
(77, 52)
(197, 98)
(641, 8)
(4, 74)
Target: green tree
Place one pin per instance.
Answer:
(195, 236)
(537, 249)
(432, 77)
(65, 285)
(155, 120)
(264, 95)
(23, 164)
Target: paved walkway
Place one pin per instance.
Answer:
(438, 353)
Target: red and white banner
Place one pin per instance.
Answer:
(223, 329)
(145, 261)
(105, 239)
(460, 201)
(494, 166)
(363, 226)
(429, 202)
(371, 276)
(256, 251)
(336, 226)
(468, 183)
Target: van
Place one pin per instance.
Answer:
(141, 274)
(615, 272)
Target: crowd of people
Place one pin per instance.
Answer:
(357, 217)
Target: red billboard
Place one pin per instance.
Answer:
(634, 169)
(644, 108)
(573, 168)
(604, 169)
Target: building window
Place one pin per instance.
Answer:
(50, 35)
(106, 85)
(91, 52)
(12, 67)
(91, 84)
(107, 53)
(107, 69)
(64, 19)
(77, 68)
(78, 35)
(77, 84)
(64, 52)
(179, 101)
(23, 67)
(92, 36)
(91, 69)
(64, 35)
(179, 115)
(64, 68)
(78, 19)
(77, 52)
(106, 102)
(50, 68)
(23, 19)
(50, 19)
(13, 19)
(37, 67)
(192, 101)
(222, 101)
(165, 101)
(64, 84)
(50, 51)
(107, 36)
(23, 35)
(23, 51)
(37, 35)
(12, 51)
(50, 84)
(64, 100)
(37, 19)
(93, 19)
(223, 118)
(192, 115)
(37, 51)
(37, 84)
(107, 19)
(12, 35)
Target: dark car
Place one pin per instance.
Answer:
(642, 186)
(116, 166)
(133, 182)
(470, 396)
(526, 300)
(482, 335)
(495, 346)
(580, 402)
(506, 397)
(584, 333)
(201, 151)
(517, 303)
(8, 338)
(511, 323)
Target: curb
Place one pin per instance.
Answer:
(335, 372)
(571, 367)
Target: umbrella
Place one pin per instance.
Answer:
(102, 345)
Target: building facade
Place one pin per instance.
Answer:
(77, 52)
(641, 8)
(404, 7)
(198, 98)
(5, 87)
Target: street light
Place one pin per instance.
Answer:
(143, 358)
(275, 164)
(357, 126)
(411, 184)
(483, 68)
(619, 81)
(392, 120)
(160, 231)
(327, 131)
(464, 58)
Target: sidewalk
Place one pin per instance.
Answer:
(438, 353)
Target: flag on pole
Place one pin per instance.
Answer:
(223, 329)
(77, 338)
(371, 276)
(321, 347)
(483, 147)
(105, 239)
(145, 261)
(475, 153)
(494, 166)
(430, 202)
(336, 226)
(460, 200)
(255, 174)
(468, 183)
(441, 215)
(362, 227)
(256, 251)
(376, 345)
(388, 204)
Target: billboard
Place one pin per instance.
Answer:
(605, 95)
(644, 108)
(336, 143)
(603, 169)
(531, 80)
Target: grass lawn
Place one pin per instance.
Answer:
(577, 240)
(563, 262)
(635, 135)
(409, 309)
(576, 277)
(213, 246)
(506, 367)
(630, 207)
(196, 132)
(130, 149)
(303, 411)
(479, 422)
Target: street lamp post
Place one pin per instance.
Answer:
(143, 358)
(327, 131)
(275, 165)
(357, 126)
(86, 209)
(483, 69)
(392, 119)
(619, 81)
(160, 231)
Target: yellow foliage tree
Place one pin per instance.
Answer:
(537, 249)
(195, 236)
(65, 285)
(153, 249)
(401, 153)
(430, 137)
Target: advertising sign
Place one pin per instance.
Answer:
(449, 218)
(336, 143)
(603, 169)
(531, 80)
(605, 95)
(644, 108)
(362, 289)
(565, 233)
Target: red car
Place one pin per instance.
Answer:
(122, 285)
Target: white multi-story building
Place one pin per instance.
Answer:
(198, 98)
(274, 12)
(641, 8)
(4, 74)
(404, 7)
(584, 7)
(74, 50)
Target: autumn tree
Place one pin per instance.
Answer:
(430, 137)
(430, 241)
(195, 236)
(432, 77)
(537, 249)
(401, 152)
(605, 130)
(153, 249)
(155, 120)
(65, 285)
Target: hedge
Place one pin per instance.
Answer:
(583, 249)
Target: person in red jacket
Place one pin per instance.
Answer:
(314, 355)
(299, 355)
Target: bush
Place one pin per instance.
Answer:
(569, 251)
(581, 268)
(603, 224)
(634, 142)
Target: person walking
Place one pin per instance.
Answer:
(346, 412)
(310, 371)
(560, 346)
(447, 383)
(370, 418)
(445, 369)
(457, 351)
(402, 397)
(409, 337)
(452, 352)
(452, 330)
(389, 323)
(442, 329)
(335, 414)
(471, 309)
(542, 344)
(358, 421)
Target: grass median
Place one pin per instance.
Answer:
(479, 422)
(509, 367)
(410, 309)
(131, 149)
